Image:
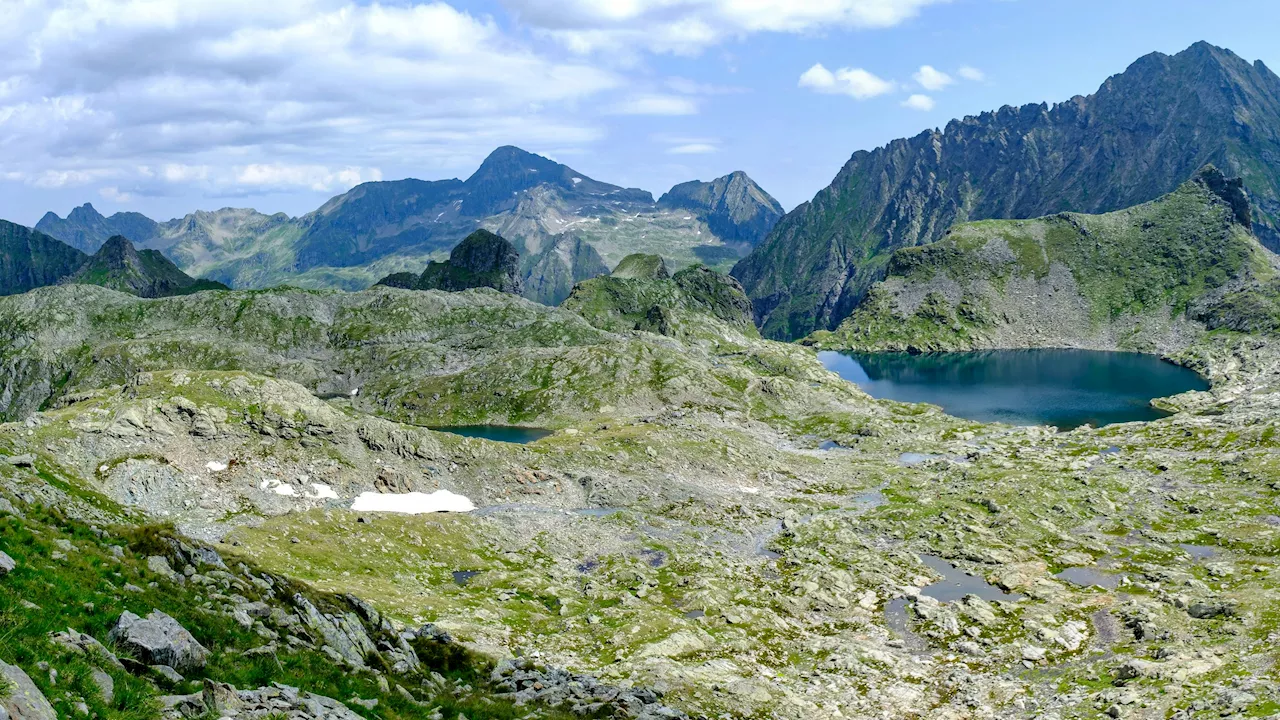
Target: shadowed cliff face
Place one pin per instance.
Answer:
(31, 259)
(1141, 135)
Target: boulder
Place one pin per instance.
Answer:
(159, 640)
(24, 700)
(7, 564)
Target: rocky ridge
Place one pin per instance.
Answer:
(1143, 133)
(1153, 278)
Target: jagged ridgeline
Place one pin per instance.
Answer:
(565, 225)
(1153, 277)
(481, 260)
(1143, 133)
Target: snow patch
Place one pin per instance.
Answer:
(413, 503)
(215, 466)
(688, 217)
(279, 488)
(577, 180)
(749, 490)
(323, 492)
(286, 490)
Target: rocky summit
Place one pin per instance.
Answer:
(1143, 133)
(146, 273)
(481, 260)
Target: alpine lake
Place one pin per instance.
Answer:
(1062, 388)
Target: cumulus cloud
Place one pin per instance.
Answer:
(930, 78)
(114, 195)
(690, 26)
(969, 72)
(855, 82)
(243, 96)
(919, 102)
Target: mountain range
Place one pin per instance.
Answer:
(566, 226)
(1142, 134)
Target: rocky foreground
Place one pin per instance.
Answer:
(714, 523)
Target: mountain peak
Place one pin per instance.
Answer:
(1229, 190)
(120, 266)
(734, 207)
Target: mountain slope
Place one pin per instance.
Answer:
(550, 274)
(86, 229)
(30, 259)
(1138, 137)
(735, 208)
(1149, 278)
(145, 273)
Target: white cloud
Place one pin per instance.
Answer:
(655, 104)
(919, 102)
(932, 79)
(312, 177)
(969, 72)
(113, 194)
(689, 26)
(693, 149)
(246, 96)
(855, 82)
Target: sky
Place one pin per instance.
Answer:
(169, 106)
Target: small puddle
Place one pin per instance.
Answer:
(1089, 577)
(956, 583)
(830, 445)
(497, 433)
(910, 459)
(654, 558)
(895, 617)
(462, 577)
(695, 614)
(1199, 552)
(1113, 450)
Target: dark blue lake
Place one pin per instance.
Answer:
(498, 433)
(1063, 388)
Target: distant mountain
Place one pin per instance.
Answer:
(1146, 278)
(146, 273)
(31, 259)
(1140, 136)
(86, 229)
(481, 260)
(550, 274)
(381, 228)
(735, 208)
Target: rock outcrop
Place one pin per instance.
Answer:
(159, 640)
(1138, 137)
(23, 701)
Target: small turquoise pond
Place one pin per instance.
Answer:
(497, 433)
(1063, 388)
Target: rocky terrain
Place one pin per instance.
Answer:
(381, 228)
(712, 516)
(1154, 278)
(1142, 134)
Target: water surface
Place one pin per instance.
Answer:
(1064, 388)
(956, 583)
(497, 433)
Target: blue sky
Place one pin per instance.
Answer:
(199, 104)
